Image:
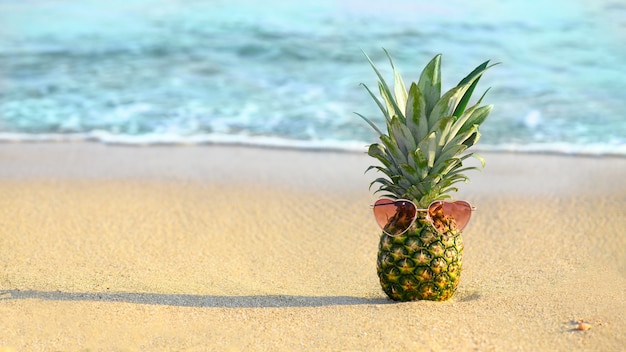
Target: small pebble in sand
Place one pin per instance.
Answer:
(583, 326)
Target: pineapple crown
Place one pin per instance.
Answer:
(422, 152)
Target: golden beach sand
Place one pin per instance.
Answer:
(214, 248)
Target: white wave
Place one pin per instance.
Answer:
(558, 148)
(589, 149)
(199, 139)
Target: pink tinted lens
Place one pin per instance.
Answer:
(394, 216)
(460, 211)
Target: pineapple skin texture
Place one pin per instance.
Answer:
(420, 264)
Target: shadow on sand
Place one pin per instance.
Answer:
(181, 300)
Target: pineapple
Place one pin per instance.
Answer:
(422, 157)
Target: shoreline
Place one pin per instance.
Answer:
(214, 247)
(518, 173)
(271, 143)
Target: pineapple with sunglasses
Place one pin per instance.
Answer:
(422, 153)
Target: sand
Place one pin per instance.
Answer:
(200, 248)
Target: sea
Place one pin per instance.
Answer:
(288, 74)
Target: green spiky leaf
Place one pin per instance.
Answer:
(378, 102)
(451, 100)
(378, 151)
(388, 99)
(428, 147)
(472, 139)
(472, 79)
(445, 105)
(477, 117)
(393, 150)
(416, 116)
(402, 135)
(369, 122)
(430, 83)
(385, 88)
(442, 128)
(458, 140)
(398, 84)
(380, 169)
(421, 163)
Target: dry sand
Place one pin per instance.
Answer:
(110, 248)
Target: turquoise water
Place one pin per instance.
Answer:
(288, 73)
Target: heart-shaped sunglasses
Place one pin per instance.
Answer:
(395, 216)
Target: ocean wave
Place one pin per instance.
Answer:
(288, 75)
(352, 146)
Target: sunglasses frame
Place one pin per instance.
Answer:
(417, 209)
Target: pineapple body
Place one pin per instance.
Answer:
(420, 264)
